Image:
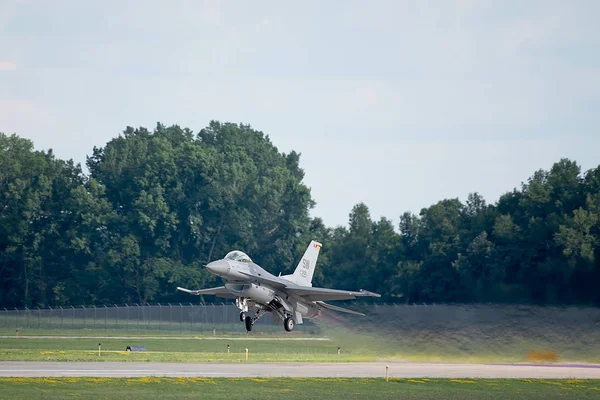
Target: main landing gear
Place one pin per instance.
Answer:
(275, 307)
(288, 324)
(249, 321)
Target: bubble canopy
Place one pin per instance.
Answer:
(237, 255)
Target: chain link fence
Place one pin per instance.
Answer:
(224, 318)
(169, 318)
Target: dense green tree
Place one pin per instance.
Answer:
(185, 200)
(158, 205)
(36, 249)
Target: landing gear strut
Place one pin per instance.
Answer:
(242, 303)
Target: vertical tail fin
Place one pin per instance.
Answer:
(306, 267)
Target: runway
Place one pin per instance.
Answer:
(305, 370)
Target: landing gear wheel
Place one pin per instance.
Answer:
(242, 316)
(288, 324)
(248, 322)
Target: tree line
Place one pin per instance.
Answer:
(156, 206)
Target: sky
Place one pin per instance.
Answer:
(397, 104)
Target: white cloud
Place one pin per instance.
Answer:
(208, 12)
(7, 66)
(27, 119)
(349, 86)
(358, 97)
(530, 34)
(408, 175)
(17, 110)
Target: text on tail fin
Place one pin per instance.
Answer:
(306, 267)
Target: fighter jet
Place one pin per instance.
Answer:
(291, 297)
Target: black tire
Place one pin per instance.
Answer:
(243, 316)
(288, 324)
(248, 323)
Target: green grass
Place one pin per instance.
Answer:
(448, 333)
(355, 346)
(220, 331)
(155, 328)
(234, 357)
(452, 347)
(474, 333)
(172, 345)
(296, 388)
(194, 349)
(173, 350)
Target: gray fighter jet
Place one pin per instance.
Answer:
(290, 297)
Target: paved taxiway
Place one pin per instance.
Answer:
(321, 370)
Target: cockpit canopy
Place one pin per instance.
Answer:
(237, 255)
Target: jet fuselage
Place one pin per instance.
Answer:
(291, 297)
(240, 284)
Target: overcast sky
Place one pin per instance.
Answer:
(397, 104)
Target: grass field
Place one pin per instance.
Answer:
(296, 388)
(473, 333)
(355, 346)
(173, 350)
(149, 333)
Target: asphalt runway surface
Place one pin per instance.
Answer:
(305, 370)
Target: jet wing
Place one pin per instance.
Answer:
(274, 283)
(336, 308)
(322, 294)
(219, 291)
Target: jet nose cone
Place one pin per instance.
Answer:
(219, 267)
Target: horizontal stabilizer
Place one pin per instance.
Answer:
(336, 308)
(324, 294)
